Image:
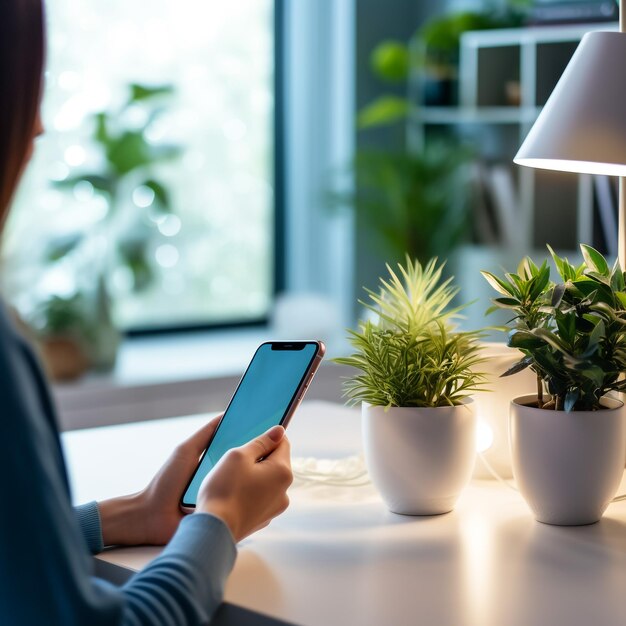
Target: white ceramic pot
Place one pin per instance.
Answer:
(568, 466)
(420, 459)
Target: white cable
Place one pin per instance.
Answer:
(346, 472)
(495, 474)
(352, 472)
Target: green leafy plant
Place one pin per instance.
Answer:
(443, 33)
(126, 175)
(412, 355)
(432, 51)
(572, 333)
(127, 163)
(124, 151)
(60, 316)
(416, 204)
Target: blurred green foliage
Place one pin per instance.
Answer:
(125, 151)
(433, 48)
(417, 204)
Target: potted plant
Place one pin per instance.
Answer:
(415, 204)
(416, 375)
(432, 56)
(58, 327)
(568, 439)
(126, 175)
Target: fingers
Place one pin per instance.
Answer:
(265, 444)
(279, 464)
(200, 439)
(282, 453)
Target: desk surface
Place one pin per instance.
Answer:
(337, 556)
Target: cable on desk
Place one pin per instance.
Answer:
(352, 472)
(346, 472)
(492, 470)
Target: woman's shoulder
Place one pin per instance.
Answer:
(13, 345)
(27, 407)
(21, 379)
(9, 336)
(12, 328)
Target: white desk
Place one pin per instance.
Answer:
(338, 558)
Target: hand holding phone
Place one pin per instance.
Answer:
(267, 395)
(245, 493)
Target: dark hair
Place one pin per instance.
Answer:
(21, 69)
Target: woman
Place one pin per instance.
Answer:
(45, 567)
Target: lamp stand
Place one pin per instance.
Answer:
(621, 222)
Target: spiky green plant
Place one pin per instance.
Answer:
(411, 355)
(572, 334)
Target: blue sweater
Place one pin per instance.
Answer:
(46, 571)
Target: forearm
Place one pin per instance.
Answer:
(115, 522)
(124, 520)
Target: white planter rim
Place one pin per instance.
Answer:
(609, 404)
(465, 402)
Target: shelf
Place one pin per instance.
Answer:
(497, 67)
(532, 35)
(474, 115)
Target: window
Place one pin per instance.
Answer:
(156, 171)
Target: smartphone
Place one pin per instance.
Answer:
(269, 392)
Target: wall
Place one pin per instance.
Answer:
(376, 21)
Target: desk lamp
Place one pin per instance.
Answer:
(582, 127)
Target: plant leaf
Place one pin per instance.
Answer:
(597, 334)
(524, 340)
(143, 92)
(509, 303)
(498, 284)
(518, 367)
(621, 296)
(541, 282)
(550, 338)
(383, 111)
(594, 260)
(558, 261)
(566, 323)
(557, 294)
(571, 398)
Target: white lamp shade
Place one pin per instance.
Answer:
(582, 128)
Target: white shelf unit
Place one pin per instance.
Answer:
(553, 207)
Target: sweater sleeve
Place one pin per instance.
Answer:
(185, 584)
(88, 517)
(46, 571)
(193, 565)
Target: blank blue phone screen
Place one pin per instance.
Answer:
(261, 401)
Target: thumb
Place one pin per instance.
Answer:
(196, 444)
(264, 444)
